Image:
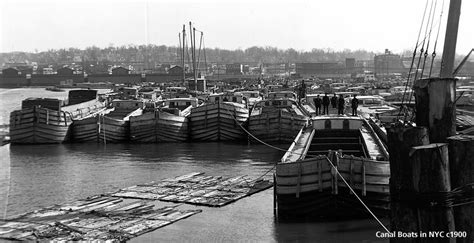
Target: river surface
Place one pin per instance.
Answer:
(36, 176)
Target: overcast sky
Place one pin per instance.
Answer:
(300, 24)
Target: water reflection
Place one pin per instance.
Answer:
(43, 175)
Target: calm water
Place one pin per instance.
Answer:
(36, 176)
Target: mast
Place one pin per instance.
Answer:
(183, 52)
(192, 52)
(450, 39)
(194, 57)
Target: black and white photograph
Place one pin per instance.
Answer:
(237, 121)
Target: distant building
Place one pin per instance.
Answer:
(120, 71)
(234, 68)
(65, 71)
(246, 69)
(176, 70)
(10, 72)
(388, 64)
(319, 68)
(276, 68)
(48, 71)
(15, 65)
(350, 64)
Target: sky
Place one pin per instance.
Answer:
(374, 25)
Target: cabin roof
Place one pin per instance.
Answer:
(366, 97)
(182, 99)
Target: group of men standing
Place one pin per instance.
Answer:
(338, 103)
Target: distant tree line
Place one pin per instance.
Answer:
(171, 54)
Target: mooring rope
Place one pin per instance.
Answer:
(8, 195)
(357, 196)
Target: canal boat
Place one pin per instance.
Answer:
(44, 120)
(220, 118)
(163, 124)
(375, 106)
(308, 180)
(114, 127)
(277, 119)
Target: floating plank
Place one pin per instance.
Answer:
(198, 189)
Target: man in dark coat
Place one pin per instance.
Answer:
(325, 104)
(317, 105)
(354, 105)
(334, 101)
(340, 105)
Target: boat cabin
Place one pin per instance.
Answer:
(252, 96)
(274, 87)
(226, 97)
(181, 103)
(400, 90)
(128, 104)
(359, 89)
(176, 106)
(282, 95)
(275, 104)
(175, 92)
(347, 93)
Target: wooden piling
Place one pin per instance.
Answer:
(430, 168)
(439, 111)
(400, 141)
(461, 154)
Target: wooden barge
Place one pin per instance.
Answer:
(49, 120)
(219, 119)
(114, 127)
(165, 124)
(277, 119)
(308, 181)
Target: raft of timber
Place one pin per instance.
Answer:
(97, 218)
(197, 189)
(129, 212)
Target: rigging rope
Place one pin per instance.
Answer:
(187, 50)
(433, 56)
(429, 38)
(205, 61)
(178, 54)
(413, 59)
(199, 53)
(425, 54)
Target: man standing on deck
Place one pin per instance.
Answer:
(355, 104)
(317, 105)
(325, 104)
(334, 101)
(340, 105)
